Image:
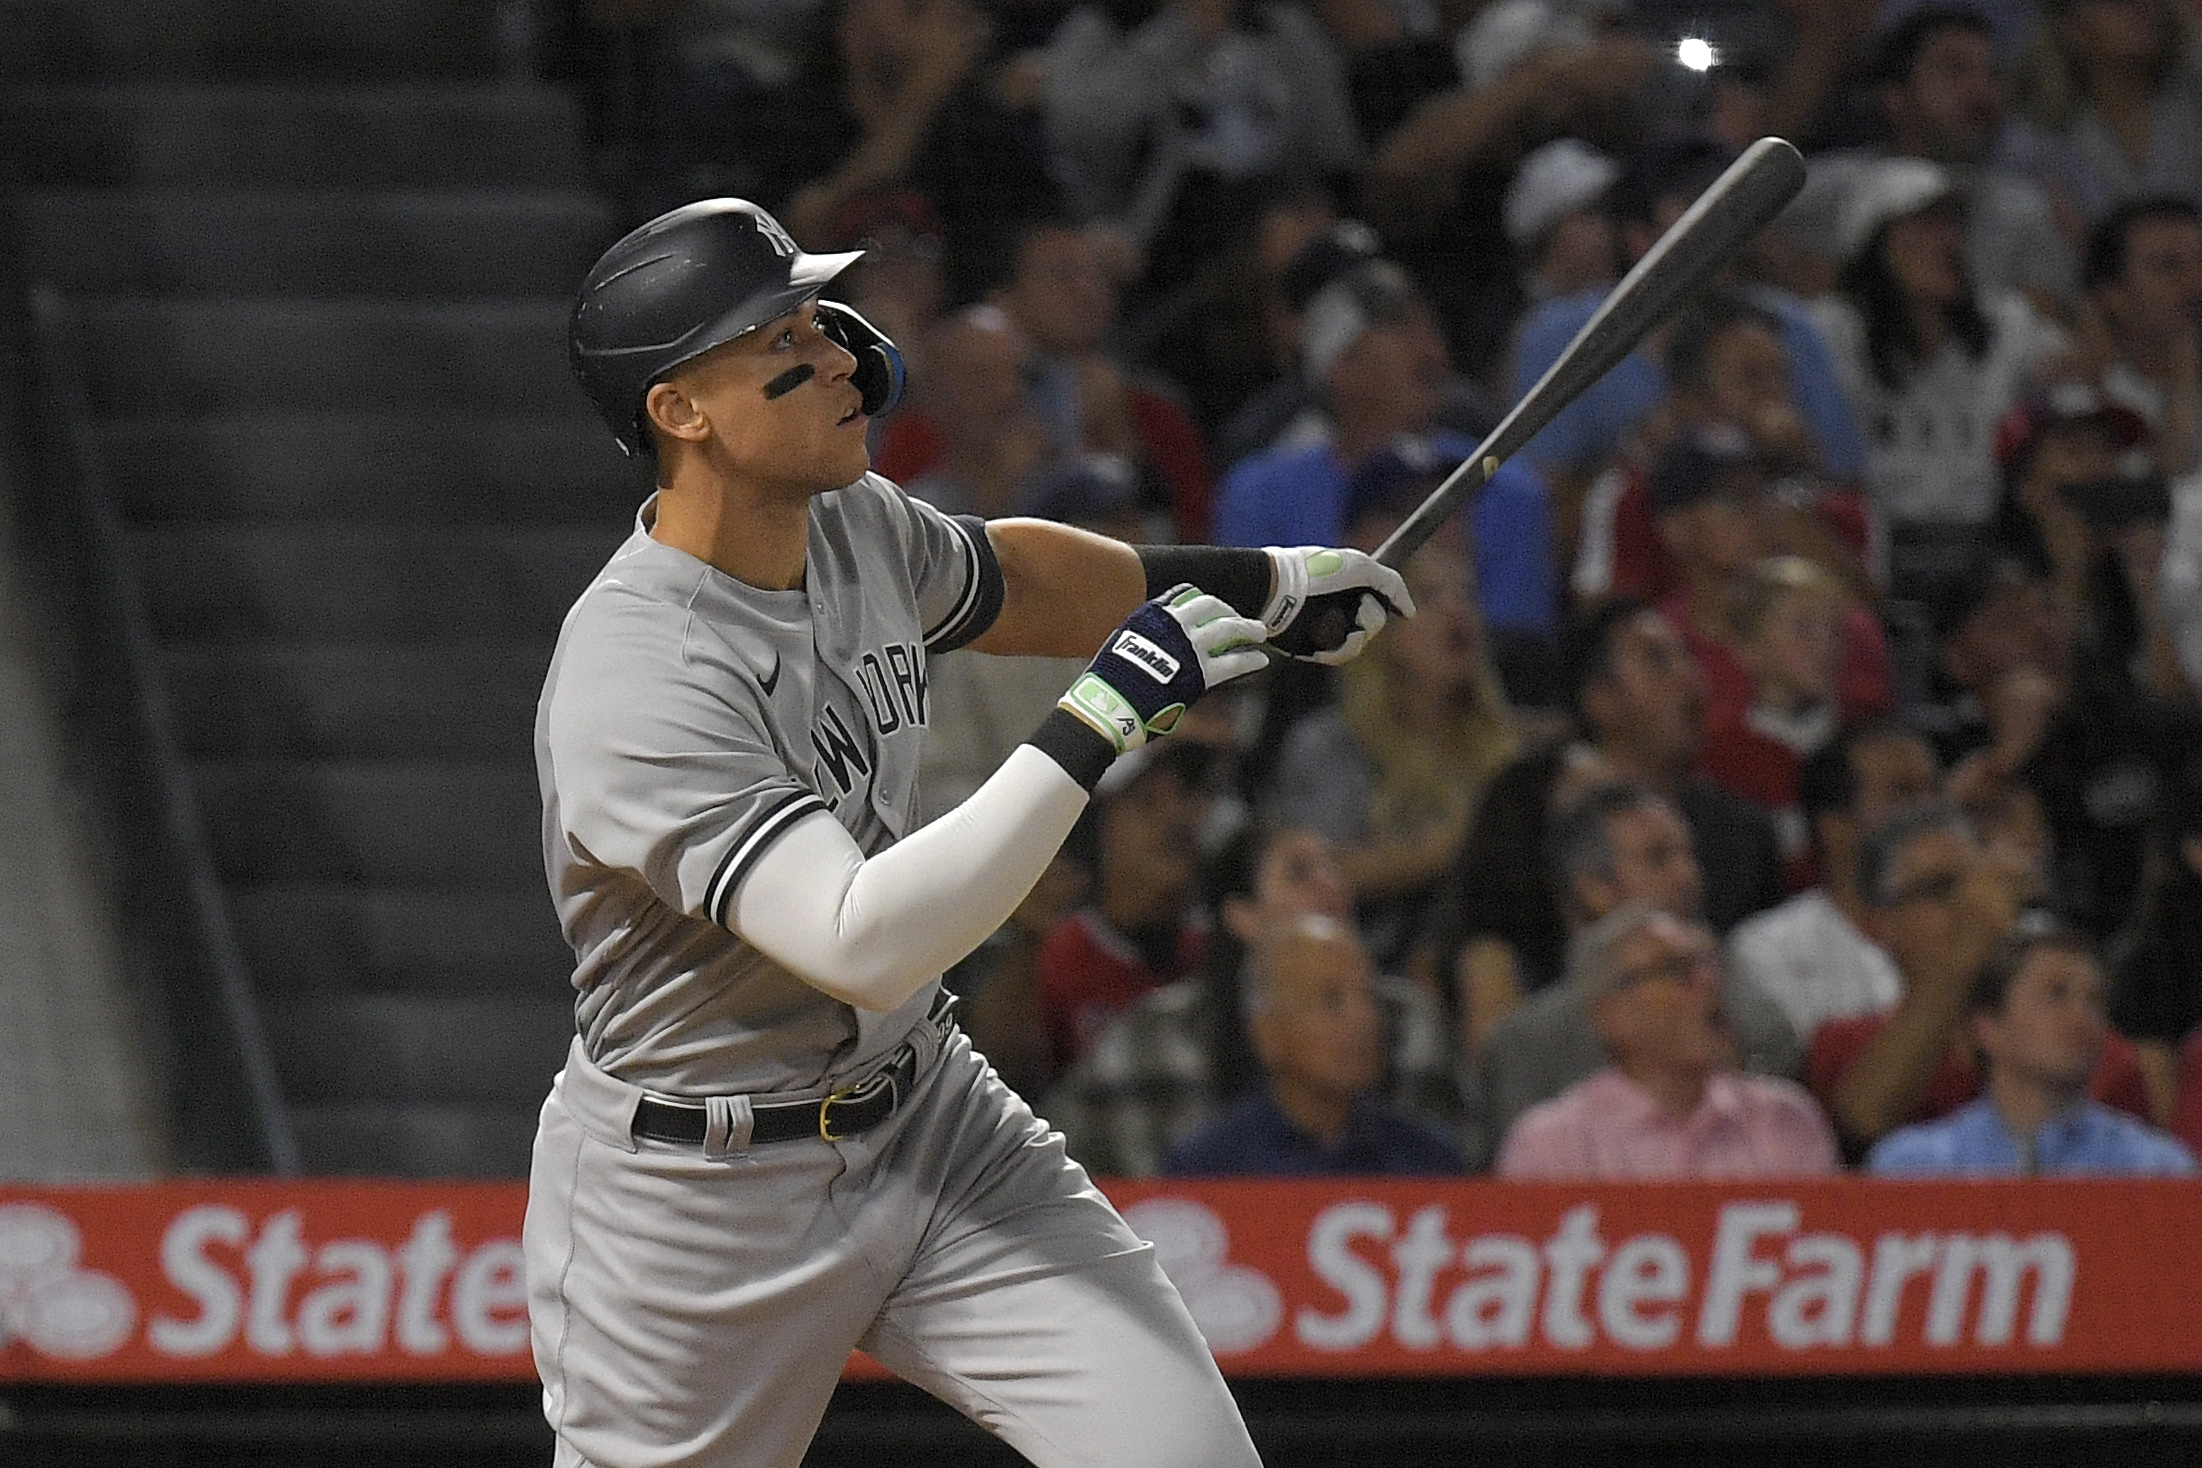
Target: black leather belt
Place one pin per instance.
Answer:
(843, 1113)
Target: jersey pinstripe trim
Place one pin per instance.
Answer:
(775, 821)
(980, 601)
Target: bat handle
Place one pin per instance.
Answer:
(1330, 630)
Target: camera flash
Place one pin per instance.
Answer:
(1695, 52)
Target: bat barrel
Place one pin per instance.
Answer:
(1739, 203)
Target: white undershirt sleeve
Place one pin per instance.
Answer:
(870, 931)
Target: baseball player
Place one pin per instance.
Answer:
(770, 1143)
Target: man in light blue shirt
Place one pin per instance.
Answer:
(2038, 1014)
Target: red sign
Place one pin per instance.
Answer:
(347, 1281)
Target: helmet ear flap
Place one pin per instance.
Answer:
(880, 375)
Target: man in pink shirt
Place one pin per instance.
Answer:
(1672, 1104)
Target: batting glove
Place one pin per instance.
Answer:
(1167, 654)
(1318, 596)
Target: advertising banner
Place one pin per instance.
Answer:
(258, 1281)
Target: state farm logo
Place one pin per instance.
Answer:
(46, 1299)
(1424, 1287)
(1236, 1308)
(345, 1297)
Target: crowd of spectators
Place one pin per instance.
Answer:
(1797, 759)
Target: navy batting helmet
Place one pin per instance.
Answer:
(687, 281)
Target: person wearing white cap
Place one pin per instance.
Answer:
(1940, 92)
(1562, 239)
(1929, 364)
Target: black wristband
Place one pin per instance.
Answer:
(1075, 745)
(1234, 574)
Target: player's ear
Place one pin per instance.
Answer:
(675, 413)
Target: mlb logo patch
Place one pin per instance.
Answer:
(1152, 660)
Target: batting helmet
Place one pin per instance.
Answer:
(687, 281)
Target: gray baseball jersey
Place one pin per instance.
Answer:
(687, 721)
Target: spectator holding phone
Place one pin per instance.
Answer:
(2087, 503)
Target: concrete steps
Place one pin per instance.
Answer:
(259, 242)
(403, 137)
(443, 824)
(349, 582)
(448, 469)
(429, 1049)
(174, 354)
(320, 938)
(283, 699)
(322, 329)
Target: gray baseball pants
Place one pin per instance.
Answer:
(695, 1306)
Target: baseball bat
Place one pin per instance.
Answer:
(1752, 191)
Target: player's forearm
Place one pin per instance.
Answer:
(1063, 589)
(871, 931)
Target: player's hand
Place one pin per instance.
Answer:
(1325, 605)
(1167, 654)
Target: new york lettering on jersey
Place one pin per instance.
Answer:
(889, 681)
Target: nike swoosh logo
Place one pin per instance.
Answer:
(771, 680)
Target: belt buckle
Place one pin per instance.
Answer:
(858, 1091)
(825, 1111)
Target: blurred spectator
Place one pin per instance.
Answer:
(2186, 1122)
(1812, 955)
(1929, 365)
(2036, 1012)
(2122, 115)
(1300, 246)
(2085, 502)
(901, 284)
(1378, 367)
(1562, 238)
(2021, 697)
(724, 96)
(1301, 250)
(1142, 929)
(1060, 289)
(1055, 284)
(1617, 845)
(2157, 996)
(1940, 907)
(2179, 578)
(1939, 94)
(1397, 54)
(1499, 930)
(1317, 1023)
(2142, 324)
(1170, 132)
(1642, 701)
(927, 98)
(1530, 71)
(1670, 1102)
(1730, 385)
(1655, 186)
(1717, 517)
(1392, 773)
(991, 442)
(1172, 1060)
(1788, 628)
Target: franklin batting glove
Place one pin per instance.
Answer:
(1325, 605)
(1167, 654)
